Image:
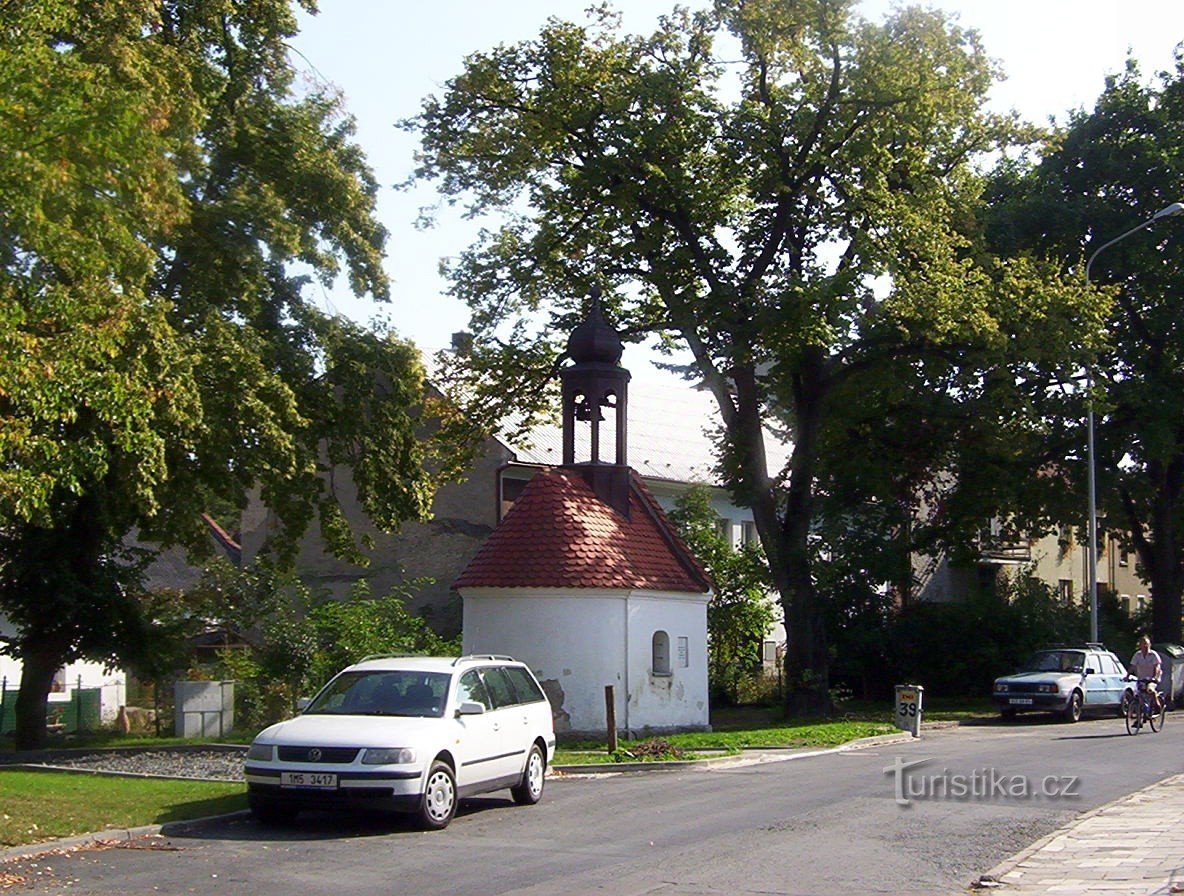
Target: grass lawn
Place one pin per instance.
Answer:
(735, 728)
(39, 806)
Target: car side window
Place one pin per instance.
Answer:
(1109, 665)
(499, 687)
(524, 685)
(472, 688)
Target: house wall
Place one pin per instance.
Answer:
(678, 700)
(1058, 559)
(112, 683)
(463, 516)
(576, 644)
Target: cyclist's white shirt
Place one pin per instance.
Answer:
(1145, 665)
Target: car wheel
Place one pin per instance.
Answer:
(1072, 711)
(438, 804)
(530, 789)
(1007, 714)
(269, 813)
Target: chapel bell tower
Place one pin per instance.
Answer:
(594, 382)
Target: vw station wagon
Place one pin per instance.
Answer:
(407, 734)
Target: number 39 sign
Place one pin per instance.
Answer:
(908, 708)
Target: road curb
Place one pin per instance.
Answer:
(994, 877)
(601, 768)
(111, 837)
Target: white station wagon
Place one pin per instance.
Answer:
(409, 734)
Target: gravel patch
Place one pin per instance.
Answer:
(207, 765)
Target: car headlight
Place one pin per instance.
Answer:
(1000, 687)
(1048, 688)
(261, 752)
(388, 756)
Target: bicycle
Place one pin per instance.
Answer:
(1147, 706)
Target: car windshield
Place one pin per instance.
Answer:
(1056, 661)
(388, 692)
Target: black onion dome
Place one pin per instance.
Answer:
(594, 341)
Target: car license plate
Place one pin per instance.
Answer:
(308, 779)
(1020, 701)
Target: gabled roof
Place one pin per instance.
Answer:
(559, 534)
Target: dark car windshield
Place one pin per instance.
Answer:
(383, 693)
(1055, 661)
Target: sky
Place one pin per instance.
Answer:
(387, 55)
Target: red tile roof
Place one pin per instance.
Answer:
(559, 534)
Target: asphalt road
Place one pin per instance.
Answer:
(843, 822)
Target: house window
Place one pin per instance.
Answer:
(661, 653)
(723, 528)
(749, 534)
(1065, 589)
(684, 653)
(769, 653)
(511, 489)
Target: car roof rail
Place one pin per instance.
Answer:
(485, 656)
(1095, 645)
(389, 656)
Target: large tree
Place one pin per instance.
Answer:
(1105, 172)
(165, 191)
(783, 190)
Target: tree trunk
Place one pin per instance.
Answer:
(38, 667)
(1158, 545)
(807, 660)
(1165, 574)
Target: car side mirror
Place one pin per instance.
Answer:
(470, 708)
(302, 703)
(1089, 671)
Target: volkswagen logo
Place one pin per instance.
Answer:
(314, 755)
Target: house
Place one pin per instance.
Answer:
(586, 580)
(1059, 559)
(670, 451)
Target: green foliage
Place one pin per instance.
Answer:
(167, 194)
(788, 193)
(958, 649)
(297, 641)
(348, 630)
(1108, 171)
(741, 611)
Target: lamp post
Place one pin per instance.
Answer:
(1166, 212)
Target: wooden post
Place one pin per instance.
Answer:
(610, 716)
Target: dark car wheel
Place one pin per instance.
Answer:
(438, 804)
(1072, 711)
(530, 789)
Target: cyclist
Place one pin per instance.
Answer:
(1146, 663)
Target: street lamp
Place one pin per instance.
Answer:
(1166, 212)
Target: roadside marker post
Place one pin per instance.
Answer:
(908, 708)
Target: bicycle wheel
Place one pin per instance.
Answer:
(1157, 716)
(1133, 709)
